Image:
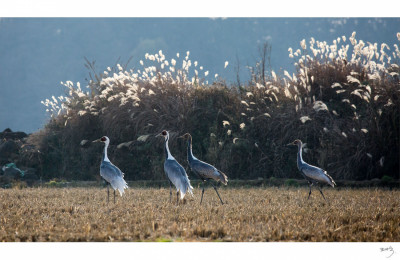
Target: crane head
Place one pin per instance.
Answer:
(295, 142)
(185, 136)
(104, 139)
(164, 133)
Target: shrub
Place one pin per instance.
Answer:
(56, 183)
(386, 179)
(291, 183)
(346, 110)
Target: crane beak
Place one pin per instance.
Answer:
(182, 136)
(96, 141)
(290, 144)
(158, 135)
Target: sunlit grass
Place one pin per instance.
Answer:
(258, 214)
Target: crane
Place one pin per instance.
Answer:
(204, 170)
(311, 173)
(175, 172)
(111, 173)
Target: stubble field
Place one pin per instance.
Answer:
(250, 214)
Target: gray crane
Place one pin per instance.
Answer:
(175, 172)
(204, 170)
(312, 174)
(111, 173)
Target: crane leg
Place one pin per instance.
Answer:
(309, 192)
(321, 193)
(202, 193)
(177, 197)
(108, 193)
(114, 196)
(215, 188)
(170, 191)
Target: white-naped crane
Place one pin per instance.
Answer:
(175, 172)
(312, 174)
(111, 173)
(204, 170)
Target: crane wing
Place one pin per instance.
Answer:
(177, 175)
(317, 174)
(109, 171)
(204, 170)
(174, 170)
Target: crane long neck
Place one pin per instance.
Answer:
(167, 152)
(299, 155)
(105, 157)
(189, 150)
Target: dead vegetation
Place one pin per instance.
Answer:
(256, 214)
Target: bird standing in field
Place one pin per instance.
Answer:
(111, 173)
(175, 172)
(311, 173)
(204, 170)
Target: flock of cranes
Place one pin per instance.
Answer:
(179, 178)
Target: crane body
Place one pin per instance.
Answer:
(175, 172)
(312, 174)
(111, 173)
(204, 170)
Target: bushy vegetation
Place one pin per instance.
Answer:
(344, 107)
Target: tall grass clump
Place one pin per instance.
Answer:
(131, 107)
(345, 107)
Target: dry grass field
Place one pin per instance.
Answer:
(257, 214)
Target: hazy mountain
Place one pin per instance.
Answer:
(36, 54)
